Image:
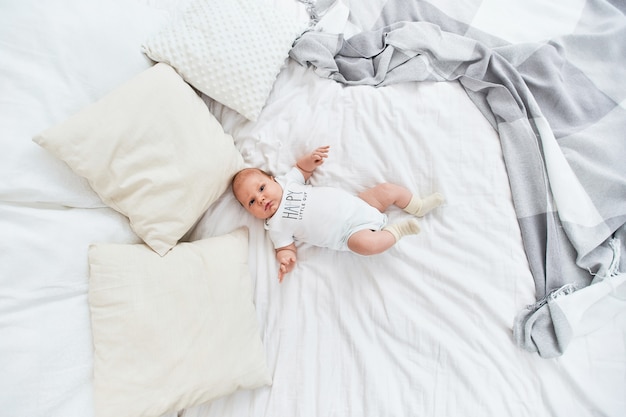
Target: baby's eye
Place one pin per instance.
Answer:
(262, 187)
(251, 202)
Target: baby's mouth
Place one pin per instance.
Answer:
(268, 206)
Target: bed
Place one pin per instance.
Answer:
(133, 284)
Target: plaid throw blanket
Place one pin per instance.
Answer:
(559, 106)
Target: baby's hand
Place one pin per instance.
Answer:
(287, 260)
(285, 268)
(309, 163)
(318, 155)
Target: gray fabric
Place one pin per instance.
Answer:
(520, 88)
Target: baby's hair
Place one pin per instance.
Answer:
(242, 174)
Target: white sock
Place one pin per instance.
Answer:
(420, 207)
(407, 227)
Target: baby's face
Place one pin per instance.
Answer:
(259, 194)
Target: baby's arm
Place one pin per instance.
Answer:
(286, 257)
(308, 163)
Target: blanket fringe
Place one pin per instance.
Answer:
(617, 253)
(553, 295)
(567, 289)
(314, 17)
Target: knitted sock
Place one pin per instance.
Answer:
(407, 227)
(419, 207)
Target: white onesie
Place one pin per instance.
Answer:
(321, 216)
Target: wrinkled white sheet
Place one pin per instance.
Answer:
(424, 329)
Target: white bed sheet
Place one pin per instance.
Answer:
(424, 329)
(57, 57)
(46, 342)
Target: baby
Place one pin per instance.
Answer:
(325, 216)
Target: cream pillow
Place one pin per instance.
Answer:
(175, 331)
(152, 151)
(231, 50)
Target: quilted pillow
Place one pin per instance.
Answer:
(152, 151)
(231, 50)
(174, 331)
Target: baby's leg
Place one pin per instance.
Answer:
(370, 242)
(385, 194)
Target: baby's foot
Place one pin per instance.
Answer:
(407, 227)
(420, 207)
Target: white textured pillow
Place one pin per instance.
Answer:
(175, 331)
(152, 151)
(231, 50)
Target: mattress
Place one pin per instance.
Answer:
(425, 328)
